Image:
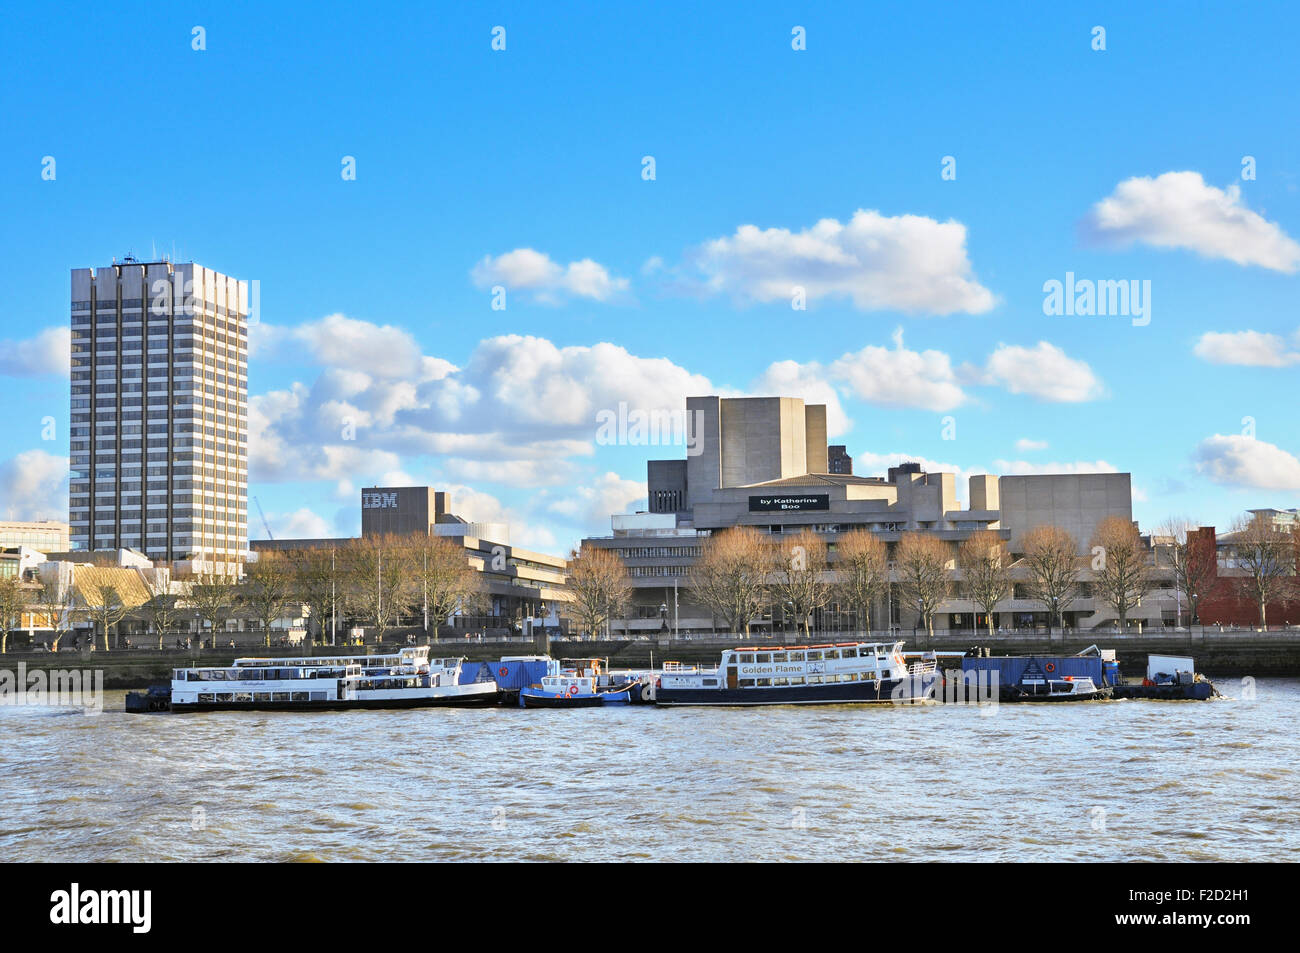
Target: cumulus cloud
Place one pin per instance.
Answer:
(49, 352)
(1043, 371)
(34, 485)
(302, 523)
(514, 414)
(810, 382)
(526, 269)
(1024, 445)
(1024, 468)
(1179, 210)
(1247, 348)
(591, 506)
(899, 377)
(905, 263)
(1237, 460)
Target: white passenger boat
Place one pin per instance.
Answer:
(845, 673)
(409, 679)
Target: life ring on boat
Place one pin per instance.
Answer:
(573, 689)
(503, 671)
(1050, 667)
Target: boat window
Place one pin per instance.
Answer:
(205, 696)
(780, 657)
(849, 653)
(299, 696)
(764, 683)
(261, 696)
(813, 655)
(711, 681)
(832, 653)
(780, 681)
(747, 683)
(762, 656)
(814, 679)
(797, 680)
(796, 656)
(243, 697)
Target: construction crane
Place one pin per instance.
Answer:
(265, 524)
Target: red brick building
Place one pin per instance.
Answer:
(1227, 598)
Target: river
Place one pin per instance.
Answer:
(1122, 780)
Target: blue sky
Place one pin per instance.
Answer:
(523, 169)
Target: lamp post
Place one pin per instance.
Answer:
(663, 618)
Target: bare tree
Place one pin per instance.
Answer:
(442, 580)
(104, 606)
(598, 583)
(1120, 570)
(1053, 567)
(862, 570)
(163, 610)
(213, 596)
(316, 583)
(730, 576)
(15, 596)
(1192, 559)
(54, 602)
(268, 589)
(986, 566)
(1266, 553)
(377, 580)
(799, 577)
(922, 562)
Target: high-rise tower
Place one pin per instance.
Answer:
(159, 429)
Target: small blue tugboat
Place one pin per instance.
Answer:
(579, 684)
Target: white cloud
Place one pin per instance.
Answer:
(49, 352)
(906, 263)
(878, 464)
(592, 506)
(1043, 371)
(1178, 210)
(526, 269)
(1237, 460)
(514, 414)
(1248, 348)
(1024, 468)
(302, 523)
(1024, 444)
(34, 485)
(899, 377)
(810, 382)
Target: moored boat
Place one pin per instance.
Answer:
(845, 673)
(579, 683)
(1036, 685)
(408, 679)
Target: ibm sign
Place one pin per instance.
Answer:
(379, 501)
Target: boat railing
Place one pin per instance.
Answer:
(679, 668)
(925, 666)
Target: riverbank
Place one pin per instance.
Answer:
(1226, 654)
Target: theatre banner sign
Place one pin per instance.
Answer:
(781, 504)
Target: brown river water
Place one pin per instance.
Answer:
(1125, 780)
